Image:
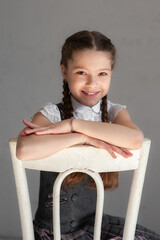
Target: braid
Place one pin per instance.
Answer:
(104, 109)
(110, 179)
(73, 178)
(66, 101)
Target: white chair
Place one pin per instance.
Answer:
(91, 161)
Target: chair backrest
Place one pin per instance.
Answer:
(91, 161)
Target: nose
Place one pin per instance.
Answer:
(91, 80)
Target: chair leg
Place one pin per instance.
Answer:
(136, 193)
(99, 205)
(23, 195)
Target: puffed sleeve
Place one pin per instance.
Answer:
(113, 110)
(50, 111)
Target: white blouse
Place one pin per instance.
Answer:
(51, 111)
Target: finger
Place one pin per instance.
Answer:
(44, 131)
(28, 131)
(25, 132)
(106, 146)
(127, 152)
(119, 151)
(110, 151)
(29, 124)
(34, 130)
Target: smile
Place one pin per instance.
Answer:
(90, 94)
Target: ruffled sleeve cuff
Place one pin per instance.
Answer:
(50, 111)
(113, 110)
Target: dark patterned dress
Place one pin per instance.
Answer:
(77, 212)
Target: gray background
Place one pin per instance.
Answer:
(31, 35)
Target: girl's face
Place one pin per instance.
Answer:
(88, 75)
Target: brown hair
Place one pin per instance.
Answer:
(98, 42)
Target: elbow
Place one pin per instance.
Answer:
(20, 150)
(138, 141)
(20, 155)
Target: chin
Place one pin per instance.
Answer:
(91, 104)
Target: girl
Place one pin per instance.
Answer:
(84, 116)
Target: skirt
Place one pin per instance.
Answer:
(112, 229)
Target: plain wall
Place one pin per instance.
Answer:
(31, 35)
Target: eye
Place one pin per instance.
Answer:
(103, 74)
(81, 73)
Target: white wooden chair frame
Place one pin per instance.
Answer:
(91, 161)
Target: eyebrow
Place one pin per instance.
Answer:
(108, 69)
(105, 69)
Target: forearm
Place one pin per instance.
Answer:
(115, 134)
(36, 147)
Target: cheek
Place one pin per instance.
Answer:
(106, 85)
(72, 85)
(105, 82)
(109, 81)
(75, 82)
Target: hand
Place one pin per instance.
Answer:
(108, 147)
(30, 128)
(56, 128)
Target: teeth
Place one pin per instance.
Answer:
(90, 93)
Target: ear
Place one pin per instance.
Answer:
(64, 72)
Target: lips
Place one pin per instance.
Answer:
(90, 94)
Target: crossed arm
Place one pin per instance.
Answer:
(41, 138)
